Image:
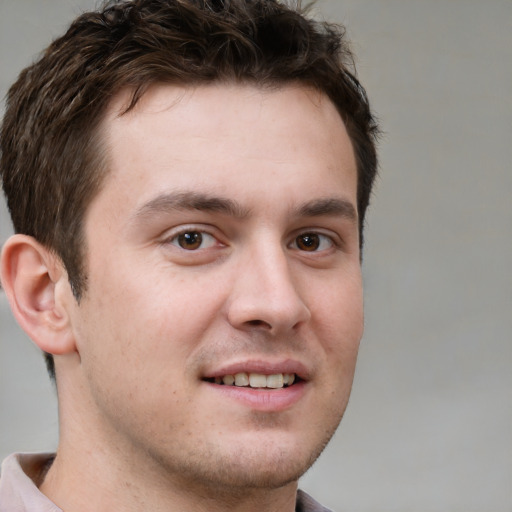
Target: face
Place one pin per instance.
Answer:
(219, 331)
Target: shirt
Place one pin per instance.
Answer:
(22, 473)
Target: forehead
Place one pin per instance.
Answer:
(216, 136)
(226, 110)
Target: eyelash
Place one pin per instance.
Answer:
(313, 238)
(175, 238)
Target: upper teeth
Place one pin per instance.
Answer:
(257, 380)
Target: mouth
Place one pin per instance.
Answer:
(265, 386)
(256, 380)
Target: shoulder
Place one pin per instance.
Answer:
(18, 483)
(305, 503)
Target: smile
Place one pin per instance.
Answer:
(256, 380)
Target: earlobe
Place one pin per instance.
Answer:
(31, 277)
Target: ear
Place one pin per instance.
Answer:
(38, 291)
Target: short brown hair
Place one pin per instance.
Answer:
(51, 162)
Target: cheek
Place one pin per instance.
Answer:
(158, 315)
(338, 311)
(338, 323)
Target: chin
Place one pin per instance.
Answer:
(252, 465)
(253, 474)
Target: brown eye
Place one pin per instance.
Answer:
(313, 242)
(190, 241)
(308, 242)
(193, 240)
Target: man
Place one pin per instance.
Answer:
(188, 182)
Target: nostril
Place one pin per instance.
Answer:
(259, 323)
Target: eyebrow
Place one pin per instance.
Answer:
(333, 206)
(189, 200)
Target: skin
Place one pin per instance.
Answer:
(258, 174)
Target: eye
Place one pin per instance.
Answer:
(193, 240)
(313, 242)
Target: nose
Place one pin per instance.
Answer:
(265, 296)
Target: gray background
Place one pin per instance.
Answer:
(429, 426)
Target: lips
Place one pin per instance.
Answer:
(264, 386)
